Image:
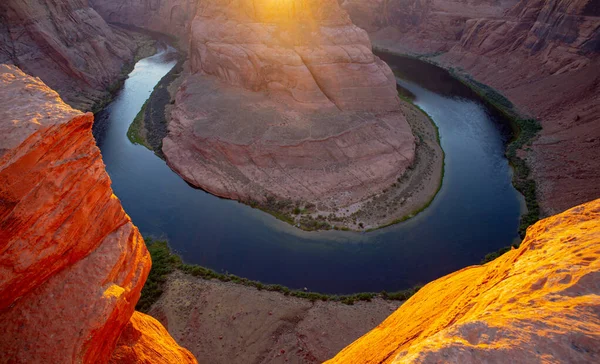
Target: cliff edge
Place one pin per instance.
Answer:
(72, 265)
(537, 303)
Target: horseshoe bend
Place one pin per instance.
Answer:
(116, 245)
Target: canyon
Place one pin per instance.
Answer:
(326, 130)
(542, 55)
(72, 262)
(68, 45)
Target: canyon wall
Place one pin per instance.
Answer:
(286, 99)
(67, 44)
(543, 55)
(72, 265)
(165, 16)
(537, 303)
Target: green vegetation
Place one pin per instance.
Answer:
(527, 129)
(134, 133)
(165, 262)
(524, 130)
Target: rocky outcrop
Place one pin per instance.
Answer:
(165, 16)
(537, 303)
(543, 55)
(72, 264)
(145, 340)
(67, 44)
(286, 99)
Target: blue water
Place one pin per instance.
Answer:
(476, 211)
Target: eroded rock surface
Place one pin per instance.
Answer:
(537, 303)
(286, 99)
(67, 44)
(72, 264)
(165, 16)
(543, 55)
(145, 340)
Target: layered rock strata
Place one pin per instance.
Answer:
(67, 44)
(537, 303)
(72, 264)
(543, 55)
(286, 99)
(165, 16)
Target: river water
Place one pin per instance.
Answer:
(476, 211)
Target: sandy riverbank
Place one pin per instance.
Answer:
(411, 193)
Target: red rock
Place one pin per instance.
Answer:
(543, 55)
(533, 304)
(307, 49)
(286, 100)
(166, 16)
(67, 44)
(72, 264)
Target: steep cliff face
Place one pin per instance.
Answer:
(543, 55)
(67, 44)
(307, 48)
(538, 303)
(72, 264)
(426, 25)
(165, 16)
(320, 121)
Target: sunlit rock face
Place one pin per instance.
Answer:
(307, 48)
(65, 43)
(543, 55)
(538, 303)
(286, 99)
(72, 264)
(145, 340)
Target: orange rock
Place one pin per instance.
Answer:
(538, 303)
(145, 340)
(72, 265)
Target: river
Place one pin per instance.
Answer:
(476, 211)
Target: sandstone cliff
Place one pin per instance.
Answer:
(72, 264)
(286, 99)
(543, 55)
(67, 44)
(165, 16)
(537, 303)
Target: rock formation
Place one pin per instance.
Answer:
(543, 55)
(537, 303)
(165, 16)
(72, 264)
(145, 340)
(286, 99)
(67, 44)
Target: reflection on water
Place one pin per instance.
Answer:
(475, 212)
